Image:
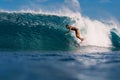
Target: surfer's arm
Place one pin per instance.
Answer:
(68, 31)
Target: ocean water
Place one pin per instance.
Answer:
(59, 65)
(35, 47)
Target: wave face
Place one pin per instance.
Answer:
(115, 38)
(29, 31)
(33, 31)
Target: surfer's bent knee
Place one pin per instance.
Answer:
(77, 35)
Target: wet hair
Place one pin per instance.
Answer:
(66, 25)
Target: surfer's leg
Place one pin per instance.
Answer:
(78, 36)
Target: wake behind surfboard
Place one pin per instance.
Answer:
(73, 43)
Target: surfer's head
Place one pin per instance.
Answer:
(67, 26)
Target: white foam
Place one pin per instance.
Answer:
(95, 32)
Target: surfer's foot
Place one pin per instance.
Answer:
(82, 39)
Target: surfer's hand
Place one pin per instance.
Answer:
(66, 34)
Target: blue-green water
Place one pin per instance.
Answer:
(26, 31)
(35, 47)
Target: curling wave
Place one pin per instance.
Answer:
(29, 31)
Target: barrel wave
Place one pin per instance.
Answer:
(33, 31)
(115, 38)
(30, 31)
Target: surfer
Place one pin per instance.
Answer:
(77, 31)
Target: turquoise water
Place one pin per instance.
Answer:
(26, 31)
(35, 47)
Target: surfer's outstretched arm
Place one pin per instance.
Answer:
(67, 31)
